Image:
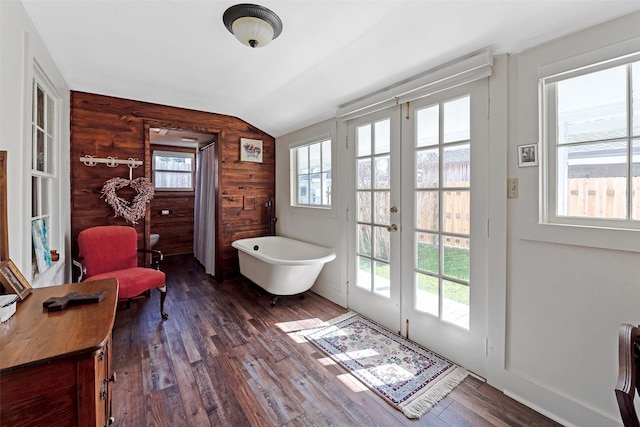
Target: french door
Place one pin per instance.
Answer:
(419, 252)
(375, 237)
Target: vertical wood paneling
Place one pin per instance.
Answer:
(105, 126)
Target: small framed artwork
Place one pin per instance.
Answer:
(250, 150)
(13, 280)
(527, 155)
(41, 244)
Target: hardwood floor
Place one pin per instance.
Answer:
(224, 358)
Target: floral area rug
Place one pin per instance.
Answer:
(408, 376)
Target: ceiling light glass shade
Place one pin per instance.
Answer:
(252, 32)
(253, 25)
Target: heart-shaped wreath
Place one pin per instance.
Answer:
(130, 211)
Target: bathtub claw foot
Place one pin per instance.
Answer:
(302, 296)
(273, 302)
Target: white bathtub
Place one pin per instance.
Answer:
(280, 265)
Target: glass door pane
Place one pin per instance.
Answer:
(376, 165)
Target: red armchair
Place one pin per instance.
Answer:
(111, 251)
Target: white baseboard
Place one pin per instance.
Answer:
(329, 292)
(555, 405)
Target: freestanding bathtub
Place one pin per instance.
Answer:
(280, 265)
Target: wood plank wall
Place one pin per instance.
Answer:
(105, 126)
(176, 228)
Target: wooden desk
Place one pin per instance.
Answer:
(55, 367)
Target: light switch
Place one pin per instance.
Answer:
(512, 188)
(165, 212)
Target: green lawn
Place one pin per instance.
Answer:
(456, 265)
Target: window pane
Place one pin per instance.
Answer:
(592, 180)
(302, 159)
(427, 210)
(635, 183)
(427, 252)
(427, 126)
(326, 188)
(427, 168)
(383, 176)
(314, 158)
(45, 196)
(315, 190)
(383, 137)
(39, 107)
(326, 155)
(364, 140)
(636, 98)
(382, 207)
(457, 166)
(456, 212)
(171, 163)
(303, 190)
(364, 173)
(50, 153)
(39, 154)
(455, 303)
(592, 106)
(50, 113)
(457, 123)
(364, 206)
(172, 180)
(35, 193)
(364, 273)
(381, 279)
(382, 243)
(364, 240)
(427, 294)
(456, 257)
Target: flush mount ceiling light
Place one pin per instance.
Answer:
(253, 25)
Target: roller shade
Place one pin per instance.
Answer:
(457, 73)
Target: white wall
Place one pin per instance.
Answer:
(554, 308)
(324, 227)
(20, 47)
(567, 300)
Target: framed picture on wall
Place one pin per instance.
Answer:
(13, 280)
(250, 150)
(527, 155)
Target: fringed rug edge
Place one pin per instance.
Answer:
(429, 398)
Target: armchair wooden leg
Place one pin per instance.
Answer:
(163, 295)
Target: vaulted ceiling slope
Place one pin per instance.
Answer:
(179, 52)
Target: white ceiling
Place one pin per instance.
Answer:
(179, 52)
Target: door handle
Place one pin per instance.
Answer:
(392, 228)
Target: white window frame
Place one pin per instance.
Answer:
(548, 125)
(47, 192)
(182, 154)
(293, 149)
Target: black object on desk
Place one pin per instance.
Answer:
(72, 298)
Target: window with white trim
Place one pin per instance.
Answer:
(591, 130)
(44, 189)
(311, 174)
(173, 170)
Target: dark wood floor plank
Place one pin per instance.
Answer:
(243, 393)
(194, 404)
(226, 357)
(156, 410)
(126, 403)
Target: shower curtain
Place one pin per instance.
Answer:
(204, 212)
